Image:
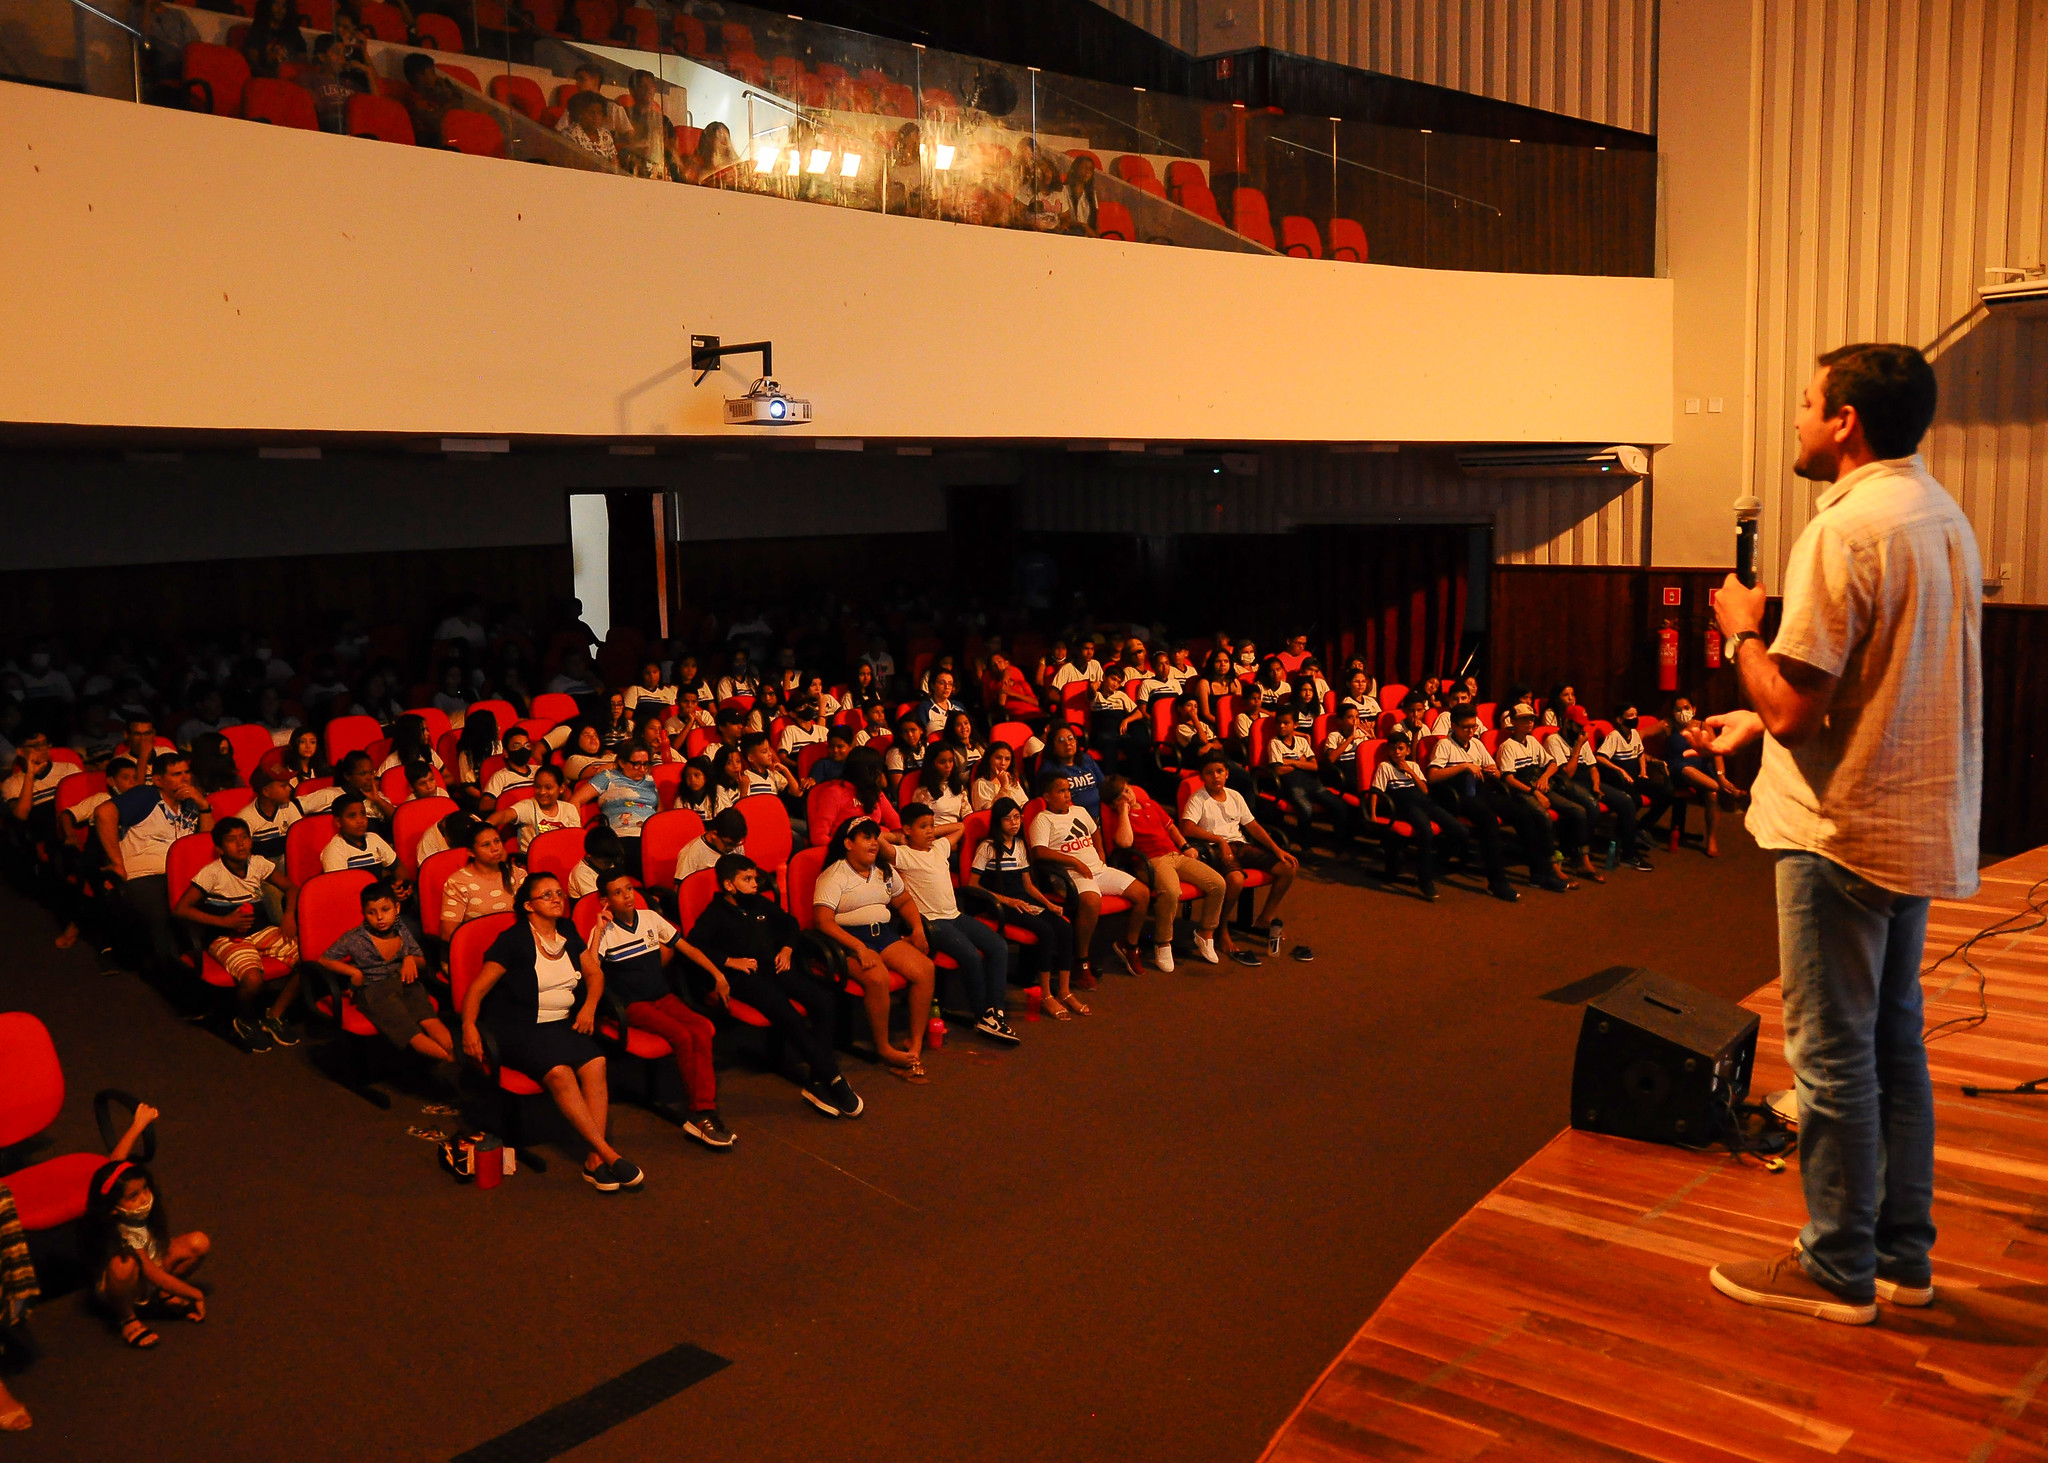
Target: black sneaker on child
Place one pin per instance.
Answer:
(1502, 889)
(709, 1129)
(251, 1035)
(627, 1173)
(1640, 864)
(845, 1098)
(601, 1178)
(996, 1026)
(283, 1032)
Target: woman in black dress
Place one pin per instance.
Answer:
(526, 995)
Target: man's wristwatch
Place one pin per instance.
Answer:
(1734, 643)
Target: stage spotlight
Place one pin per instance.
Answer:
(765, 154)
(849, 165)
(796, 163)
(944, 158)
(821, 159)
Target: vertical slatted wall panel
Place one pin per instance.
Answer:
(1901, 150)
(1594, 59)
(1576, 521)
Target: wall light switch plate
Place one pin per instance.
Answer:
(1713, 403)
(1692, 406)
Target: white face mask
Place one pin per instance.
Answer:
(139, 1213)
(1683, 718)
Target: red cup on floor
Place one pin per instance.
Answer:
(1034, 999)
(490, 1164)
(935, 1032)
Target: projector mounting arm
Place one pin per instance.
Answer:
(706, 353)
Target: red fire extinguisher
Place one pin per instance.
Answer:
(1667, 657)
(1713, 647)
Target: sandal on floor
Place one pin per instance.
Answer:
(1051, 1007)
(1074, 1005)
(914, 1074)
(138, 1335)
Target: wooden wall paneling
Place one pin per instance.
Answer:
(299, 600)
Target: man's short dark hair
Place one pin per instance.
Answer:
(731, 716)
(1214, 759)
(161, 764)
(224, 827)
(915, 811)
(604, 884)
(343, 803)
(583, 103)
(119, 765)
(418, 64)
(731, 825)
(1464, 711)
(321, 46)
(377, 890)
(752, 740)
(1046, 780)
(351, 762)
(839, 734)
(1892, 388)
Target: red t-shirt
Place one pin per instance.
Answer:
(1151, 831)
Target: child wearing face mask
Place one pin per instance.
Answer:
(1623, 763)
(1704, 774)
(140, 1269)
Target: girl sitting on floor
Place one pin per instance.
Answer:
(139, 1267)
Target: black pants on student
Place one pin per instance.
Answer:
(1658, 796)
(1531, 824)
(1459, 796)
(1305, 793)
(1055, 947)
(1411, 807)
(771, 991)
(149, 900)
(1577, 811)
(1567, 831)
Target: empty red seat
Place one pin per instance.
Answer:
(594, 18)
(897, 100)
(1347, 240)
(473, 133)
(317, 14)
(284, 104)
(1299, 238)
(221, 71)
(1250, 216)
(747, 67)
(736, 37)
(1198, 200)
(1131, 167)
(521, 93)
(385, 22)
(439, 33)
(646, 28)
(379, 117)
(461, 75)
(50, 1193)
(1180, 173)
(690, 36)
(786, 72)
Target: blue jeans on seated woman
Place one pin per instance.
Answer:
(983, 958)
(1850, 955)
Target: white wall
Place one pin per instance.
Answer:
(178, 270)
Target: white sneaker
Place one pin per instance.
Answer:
(1205, 947)
(1162, 957)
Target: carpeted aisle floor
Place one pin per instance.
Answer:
(1140, 1235)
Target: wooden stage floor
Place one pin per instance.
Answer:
(1568, 1315)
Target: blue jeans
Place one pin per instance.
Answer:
(983, 958)
(1850, 956)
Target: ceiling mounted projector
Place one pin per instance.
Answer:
(1553, 462)
(2024, 291)
(766, 404)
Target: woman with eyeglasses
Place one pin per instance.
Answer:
(525, 995)
(627, 797)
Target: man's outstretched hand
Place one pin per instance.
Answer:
(1731, 731)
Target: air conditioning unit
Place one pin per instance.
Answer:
(1553, 461)
(2017, 291)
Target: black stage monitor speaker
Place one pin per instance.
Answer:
(1657, 1059)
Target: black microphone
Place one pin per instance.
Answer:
(1747, 510)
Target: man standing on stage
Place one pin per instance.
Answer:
(1870, 706)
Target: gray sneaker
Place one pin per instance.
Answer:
(709, 1129)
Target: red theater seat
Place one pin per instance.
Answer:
(472, 133)
(523, 95)
(1250, 216)
(284, 104)
(439, 33)
(385, 22)
(1113, 221)
(49, 1194)
(379, 118)
(1347, 242)
(1299, 238)
(218, 75)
